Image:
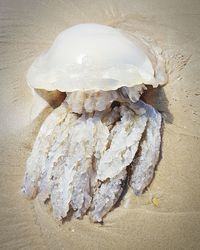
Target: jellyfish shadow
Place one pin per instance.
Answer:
(157, 98)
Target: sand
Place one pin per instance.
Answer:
(167, 216)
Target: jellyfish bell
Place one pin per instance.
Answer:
(93, 57)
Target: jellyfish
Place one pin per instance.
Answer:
(100, 135)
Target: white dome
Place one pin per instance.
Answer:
(91, 57)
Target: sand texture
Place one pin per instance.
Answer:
(167, 216)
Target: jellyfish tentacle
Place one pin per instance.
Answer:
(68, 183)
(111, 169)
(106, 196)
(44, 140)
(73, 185)
(94, 138)
(55, 156)
(124, 137)
(144, 165)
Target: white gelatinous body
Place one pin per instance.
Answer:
(92, 57)
(84, 148)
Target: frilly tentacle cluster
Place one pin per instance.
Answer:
(79, 160)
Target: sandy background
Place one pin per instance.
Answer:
(27, 27)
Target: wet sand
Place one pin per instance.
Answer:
(29, 27)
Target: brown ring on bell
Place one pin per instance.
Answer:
(54, 98)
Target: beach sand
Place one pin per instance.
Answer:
(167, 216)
